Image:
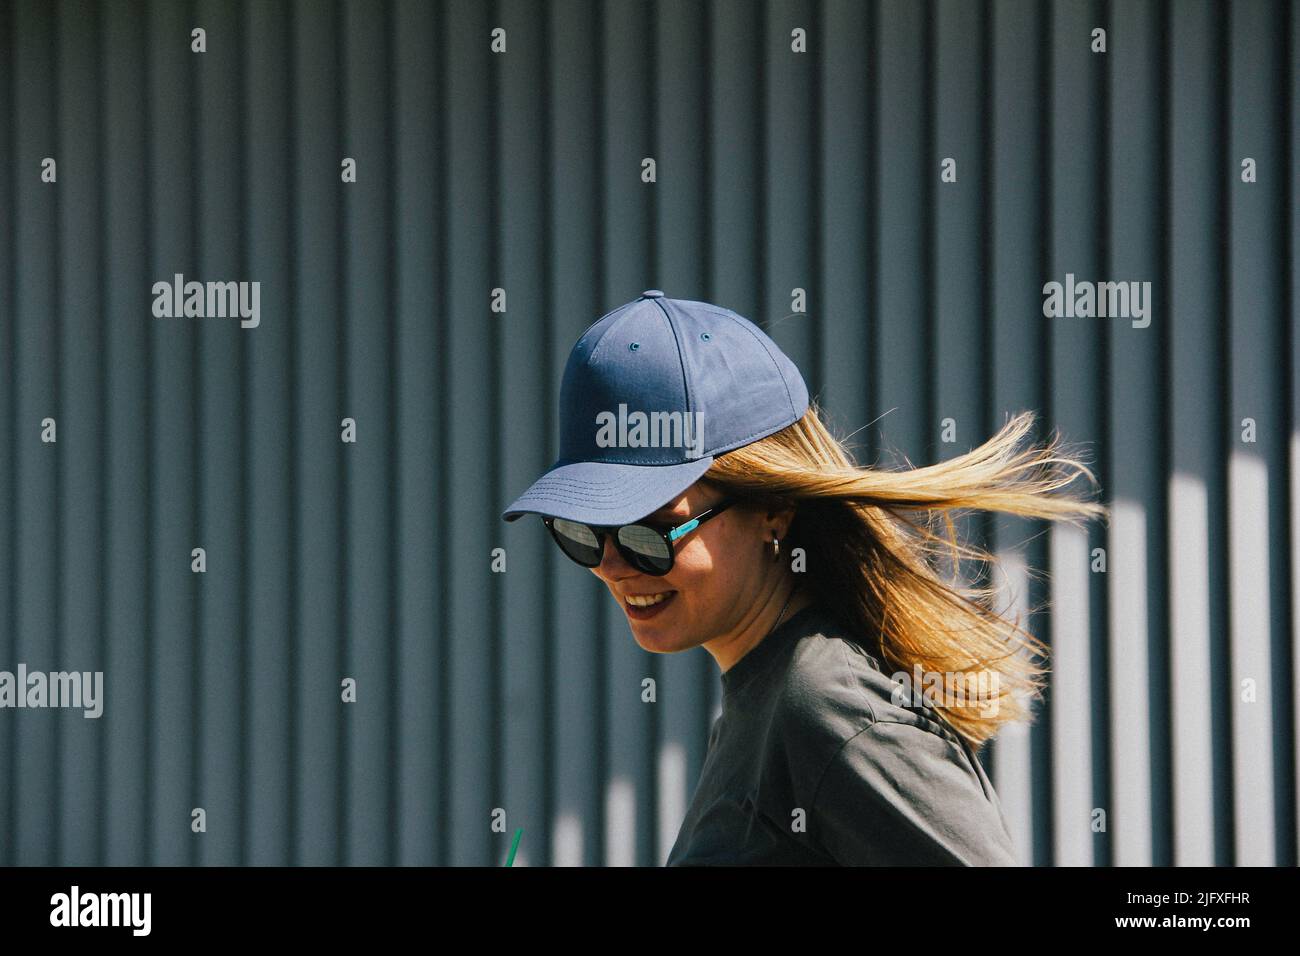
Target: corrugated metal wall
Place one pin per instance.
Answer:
(1172, 706)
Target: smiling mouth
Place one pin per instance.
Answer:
(647, 600)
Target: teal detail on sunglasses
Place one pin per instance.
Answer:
(683, 529)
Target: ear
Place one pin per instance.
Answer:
(781, 519)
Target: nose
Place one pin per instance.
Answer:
(613, 565)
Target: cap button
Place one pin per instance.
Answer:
(652, 294)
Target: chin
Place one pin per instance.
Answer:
(658, 640)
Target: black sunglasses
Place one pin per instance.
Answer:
(647, 547)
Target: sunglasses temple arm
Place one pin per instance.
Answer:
(683, 529)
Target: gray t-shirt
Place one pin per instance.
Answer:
(812, 763)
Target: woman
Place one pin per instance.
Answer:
(698, 482)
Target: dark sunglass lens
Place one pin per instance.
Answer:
(578, 541)
(648, 546)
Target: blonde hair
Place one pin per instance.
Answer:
(879, 570)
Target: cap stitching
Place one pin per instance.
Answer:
(681, 361)
(775, 364)
(591, 352)
(593, 494)
(594, 500)
(643, 464)
(620, 479)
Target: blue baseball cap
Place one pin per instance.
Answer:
(652, 392)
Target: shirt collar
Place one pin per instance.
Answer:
(761, 654)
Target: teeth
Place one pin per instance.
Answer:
(637, 600)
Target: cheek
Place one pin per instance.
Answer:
(707, 567)
(693, 568)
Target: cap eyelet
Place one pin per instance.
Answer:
(705, 336)
(632, 347)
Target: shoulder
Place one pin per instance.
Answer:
(834, 688)
(896, 793)
(885, 779)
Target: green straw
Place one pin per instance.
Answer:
(510, 860)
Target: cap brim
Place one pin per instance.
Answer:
(600, 492)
